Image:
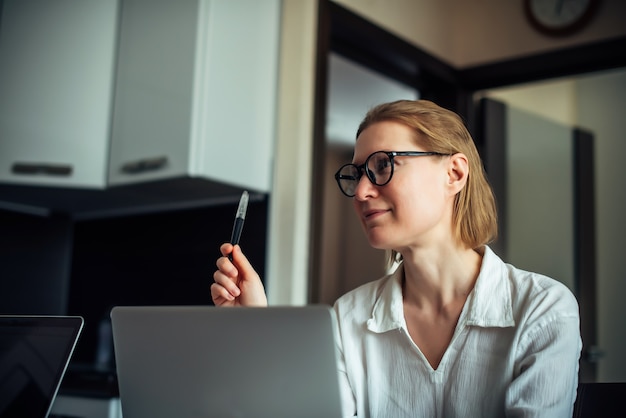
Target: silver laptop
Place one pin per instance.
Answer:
(34, 354)
(196, 362)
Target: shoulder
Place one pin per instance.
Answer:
(377, 299)
(530, 294)
(546, 313)
(365, 295)
(537, 298)
(528, 285)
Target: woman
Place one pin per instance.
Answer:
(453, 331)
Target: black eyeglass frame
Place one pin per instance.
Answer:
(362, 168)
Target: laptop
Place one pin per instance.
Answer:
(190, 361)
(34, 354)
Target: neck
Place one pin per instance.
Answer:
(435, 279)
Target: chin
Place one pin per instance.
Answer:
(378, 242)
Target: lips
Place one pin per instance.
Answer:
(373, 213)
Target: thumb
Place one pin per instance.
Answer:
(246, 271)
(249, 282)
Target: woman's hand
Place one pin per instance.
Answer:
(236, 281)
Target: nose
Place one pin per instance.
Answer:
(365, 189)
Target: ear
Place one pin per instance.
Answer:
(458, 172)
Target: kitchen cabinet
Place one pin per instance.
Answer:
(101, 93)
(57, 61)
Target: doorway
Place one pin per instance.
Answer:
(347, 260)
(359, 65)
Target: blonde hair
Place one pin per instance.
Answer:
(474, 214)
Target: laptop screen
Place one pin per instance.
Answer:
(34, 353)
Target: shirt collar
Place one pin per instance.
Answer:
(490, 302)
(488, 305)
(388, 311)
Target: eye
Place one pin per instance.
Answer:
(380, 164)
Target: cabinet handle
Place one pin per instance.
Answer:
(41, 169)
(147, 164)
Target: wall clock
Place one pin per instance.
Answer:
(559, 17)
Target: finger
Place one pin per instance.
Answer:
(225, 265)
(226, 282)
(242, 263)
(220, 295)
(226, 249)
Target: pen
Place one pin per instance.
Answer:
(239, 219)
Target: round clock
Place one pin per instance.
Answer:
(559, 17)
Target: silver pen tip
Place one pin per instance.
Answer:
(243, 205)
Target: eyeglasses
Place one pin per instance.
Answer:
(378, 167)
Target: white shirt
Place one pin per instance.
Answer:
(514, 352)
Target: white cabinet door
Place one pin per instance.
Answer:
(57, 63)
(154, 89)
(98, 93)
(235, 90)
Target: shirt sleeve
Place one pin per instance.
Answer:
(546, 373)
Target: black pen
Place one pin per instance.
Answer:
(239, 219)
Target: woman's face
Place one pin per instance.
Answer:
(415, 208)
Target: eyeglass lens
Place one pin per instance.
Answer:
(378, 168)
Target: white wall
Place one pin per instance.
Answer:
(554, 99)
(290, 200)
